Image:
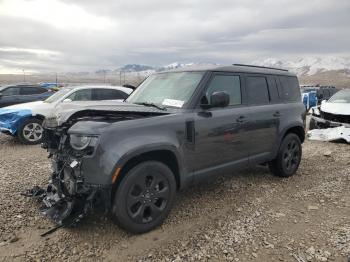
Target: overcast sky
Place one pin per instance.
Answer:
(85, 35)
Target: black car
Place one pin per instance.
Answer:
(17, 94)
(176, 129)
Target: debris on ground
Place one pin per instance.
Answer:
(247, 216)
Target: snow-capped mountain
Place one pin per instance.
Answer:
(135, 68)
(309, 65)
(176, 65)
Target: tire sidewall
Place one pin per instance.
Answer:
(119, 208)
(285, 142)
(20, 135)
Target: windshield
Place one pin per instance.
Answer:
(167, 89)
(58, 95)
(342, 96)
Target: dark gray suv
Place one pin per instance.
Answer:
(175, 129)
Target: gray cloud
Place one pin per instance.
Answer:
(158, 32)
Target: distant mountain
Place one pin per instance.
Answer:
(308, 66)
(135, 68)
(177, 65)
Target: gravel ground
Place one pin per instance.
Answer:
(246, 216)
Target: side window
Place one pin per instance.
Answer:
(11, 91)
(108, 94)
(273, 89)
(257, 90)
(31, 90)
(81, 95)
(291, 89)
(228, 83)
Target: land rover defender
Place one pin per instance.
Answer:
(176, 129)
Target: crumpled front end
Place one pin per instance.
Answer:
(68, 197)
(11, 119)
(321, 119)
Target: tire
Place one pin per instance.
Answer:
(144, 197)
(288, 158)
(30, 132)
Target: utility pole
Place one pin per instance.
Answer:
(56, 80)
(24, 75)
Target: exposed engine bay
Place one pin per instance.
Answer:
(69, 197)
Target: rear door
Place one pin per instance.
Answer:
(264, 116)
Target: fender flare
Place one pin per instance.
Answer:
(124, 159)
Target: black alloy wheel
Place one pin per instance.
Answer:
(144, 197)
(288, 158)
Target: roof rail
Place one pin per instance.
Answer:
(261, 67)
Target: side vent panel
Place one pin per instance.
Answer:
(190, 132)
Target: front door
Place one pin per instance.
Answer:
(220, 139)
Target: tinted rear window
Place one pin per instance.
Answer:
(257, 90)
(108, 94)
(273, 90)
(290, 87)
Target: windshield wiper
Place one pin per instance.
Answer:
(152, 105)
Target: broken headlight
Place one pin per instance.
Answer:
(315, 111)
(81, 142)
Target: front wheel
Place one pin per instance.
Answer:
(30, 131)
(288, 157)
(144, 197)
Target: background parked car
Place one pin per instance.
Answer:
(313, 95)
(17, 94)
(333, 112)
(25, 120)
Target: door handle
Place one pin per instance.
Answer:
(241, 119)
(277, 114)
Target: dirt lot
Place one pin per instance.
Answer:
(246, 216)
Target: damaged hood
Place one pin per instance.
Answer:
(336, 108)
(100, 108)
(11, 117)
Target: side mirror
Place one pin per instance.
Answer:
(0, 95)
(218, 99)
(67, 100)
(323, 101)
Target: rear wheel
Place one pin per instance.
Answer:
(30, 131)
(144, 197)
(288, 158)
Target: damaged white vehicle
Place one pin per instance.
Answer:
(331, 120)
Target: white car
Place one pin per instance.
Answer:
(25, 120)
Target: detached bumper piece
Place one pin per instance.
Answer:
(330, 134)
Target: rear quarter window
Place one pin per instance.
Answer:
(290, 88)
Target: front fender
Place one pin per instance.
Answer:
(110, 156)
